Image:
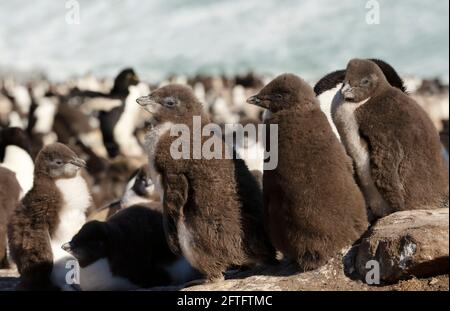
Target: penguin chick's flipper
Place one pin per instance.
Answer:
(175, 196)
(329, 82)
(334, 78)
(385, 171)
(391, 75)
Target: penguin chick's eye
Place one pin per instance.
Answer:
(277, 96)
(365, 81)
(58, 162)
(170, 102)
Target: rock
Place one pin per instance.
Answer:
(407, 244)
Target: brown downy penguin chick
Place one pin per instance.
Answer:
(212, 207)
(313, 207)
(9, 197)
(47, 217)
(393, 143)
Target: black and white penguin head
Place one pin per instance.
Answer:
(142, 181)
(125, 79)
(58, 161)
(14, 136)
(89, 244)
(283, 92)
(171, 103)
(362, 80)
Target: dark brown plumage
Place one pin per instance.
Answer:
(9, 197)
(406, 164)
(36, 218)
(212, 208)
(313, 207)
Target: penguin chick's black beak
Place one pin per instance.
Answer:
(78, 162)
(67, 247)
(148, 104)
(255, 100)
(144, 101)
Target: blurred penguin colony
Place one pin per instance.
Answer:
(98, 118)
(100, 121)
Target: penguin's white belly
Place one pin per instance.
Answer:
(185, 241)
(181, 271)
(19, 161)
(252, 154)
(326, 102)
(344, 116)
(76, 200)
(63, 265)
(98, 277)
(124, 129)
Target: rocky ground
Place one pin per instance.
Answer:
(411, 247)
(329, 278)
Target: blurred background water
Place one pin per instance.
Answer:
(162, 37)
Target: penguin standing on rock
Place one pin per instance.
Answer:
(313, 207)
(48, 216)
(393, 143)
(212, 207)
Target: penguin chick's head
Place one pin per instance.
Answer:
(283, 92)
(89, 244)
(171, 103)
(58, 161)
(362, 80)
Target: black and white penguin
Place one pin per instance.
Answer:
(113, 107)
(312, 206)
(15, 155)
(140, 190)
(394, 144)
(9, 197)
(47, 217)
(212, 207)
(128, 251)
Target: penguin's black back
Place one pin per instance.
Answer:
(138, 248)
(108, 121)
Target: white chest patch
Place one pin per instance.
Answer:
(19, 161)
(344, 117)
(267, 115)
(124, 129)
(326, 102)
(181, 271)
(151, 142)
(253, 155)
(45, 114)
(185, 240)
(76, 200)
(98, 277)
